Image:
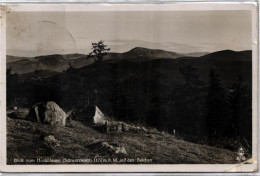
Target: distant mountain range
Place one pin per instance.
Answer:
(55, 63)
(58, 63)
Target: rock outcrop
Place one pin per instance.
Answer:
(104, 147)
(20, 113)
(51, 141)
(118, 127)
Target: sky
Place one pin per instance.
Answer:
(42, 33)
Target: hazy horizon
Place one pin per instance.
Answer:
(32, 34)
(129, 50)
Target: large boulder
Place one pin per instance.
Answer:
(99, 118)
(48, 112)
(90, 115)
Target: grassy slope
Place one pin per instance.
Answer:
(25, 140)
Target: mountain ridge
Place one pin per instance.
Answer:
(59, 63)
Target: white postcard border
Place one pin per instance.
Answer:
(123, 167)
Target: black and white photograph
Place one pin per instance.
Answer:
(129, 87)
